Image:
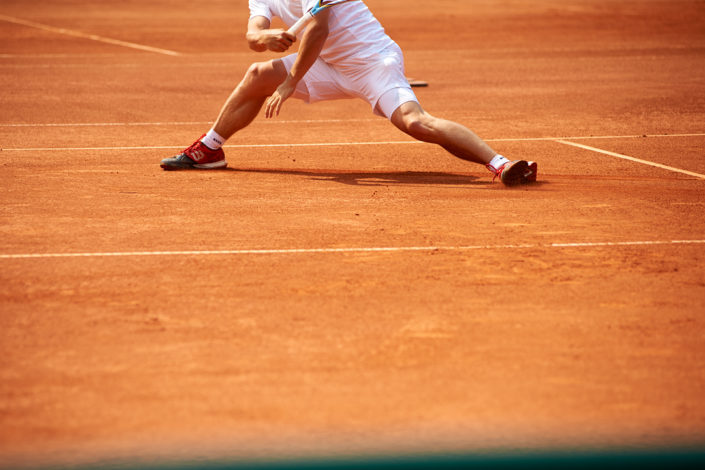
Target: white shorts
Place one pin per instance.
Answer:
(380, 81)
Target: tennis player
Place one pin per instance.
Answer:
(344, 53)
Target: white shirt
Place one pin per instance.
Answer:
(354, 33)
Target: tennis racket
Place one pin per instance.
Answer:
(317, 8)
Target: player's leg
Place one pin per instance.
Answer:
(239, 110)
(460, 141)
(457, 139)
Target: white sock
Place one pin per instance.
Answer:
(212, 140)
(497, 162)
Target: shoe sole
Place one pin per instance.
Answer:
(211, 166)
(534, 169)
(194, 166)
(520, 172)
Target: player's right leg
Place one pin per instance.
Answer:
(239, 110)
(461, 142)
(245, 102)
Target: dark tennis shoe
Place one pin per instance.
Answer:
(516, 172)
(197, 157)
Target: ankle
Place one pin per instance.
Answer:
(213, 140)
(496, 163)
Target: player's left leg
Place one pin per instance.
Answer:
(461, 142)
(457, 139)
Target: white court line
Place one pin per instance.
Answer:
(653, 50)
(434, 52)
(389, 249)
(632, 159)
(319, 121)
(58, 56)
(341, 144)
(243, 146)
(92, 37)
(185, 123)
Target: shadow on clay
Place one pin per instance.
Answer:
(376, 178)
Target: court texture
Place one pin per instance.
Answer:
(341, 291)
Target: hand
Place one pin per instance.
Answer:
(275, 102)
(277, 40)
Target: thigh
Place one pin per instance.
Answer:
(382, 82)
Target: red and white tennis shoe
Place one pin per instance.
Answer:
(196, 157)
(516, 172)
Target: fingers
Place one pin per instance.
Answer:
(273, 106)
(284, 43)
(268, 107)
(281, 42)
(278, 46)
(274, 103)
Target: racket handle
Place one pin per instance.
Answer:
(299, 25)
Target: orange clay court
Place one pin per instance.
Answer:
(340, 288)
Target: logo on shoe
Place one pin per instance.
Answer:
(197, 155)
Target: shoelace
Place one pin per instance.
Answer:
(497, 172)
(193, 146)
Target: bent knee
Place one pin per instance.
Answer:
(264, 76)
(260, 72)
(420, 126)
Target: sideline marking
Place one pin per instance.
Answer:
(93, 37)
(156, 147)
(634, 51)
(346, 144)
(187, 123)
(390, 249)
(627, 157)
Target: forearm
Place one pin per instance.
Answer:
(255, 28)
(311, 46)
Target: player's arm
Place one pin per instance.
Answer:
(260, 38)
(311, 46)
